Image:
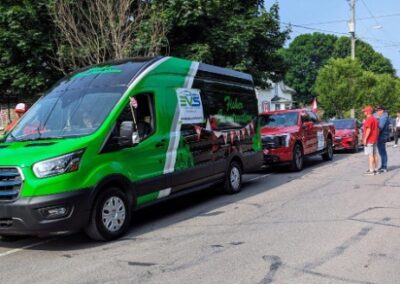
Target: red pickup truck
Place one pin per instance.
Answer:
(290, 135)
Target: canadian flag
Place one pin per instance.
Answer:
(314, 106)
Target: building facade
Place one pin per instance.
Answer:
(276, 97)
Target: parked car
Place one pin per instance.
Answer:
(348, 135)
(115, 137)
(290, 135)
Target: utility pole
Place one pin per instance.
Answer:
(352, 30)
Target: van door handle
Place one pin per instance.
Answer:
(160, 144)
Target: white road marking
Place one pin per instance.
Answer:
(260, 177)
(28, 247)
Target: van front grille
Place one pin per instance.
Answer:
(10, 184)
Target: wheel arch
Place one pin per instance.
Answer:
(116, 180)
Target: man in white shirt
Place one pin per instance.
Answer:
(397, 129)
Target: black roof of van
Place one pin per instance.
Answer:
(225, 72)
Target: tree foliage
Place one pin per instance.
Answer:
(96, 31)
(368, 57)
(25, 46)
(305, 56)
(343, 84)
(338, 86)
(309, 52)
(242, 35)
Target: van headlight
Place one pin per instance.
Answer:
(57, 166)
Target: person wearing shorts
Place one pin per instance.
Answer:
(370, 139)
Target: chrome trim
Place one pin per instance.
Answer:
(21, 174)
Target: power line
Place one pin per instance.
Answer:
(377, 22)
(357, 19)
(313, 29)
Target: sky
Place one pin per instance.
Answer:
(377, 21)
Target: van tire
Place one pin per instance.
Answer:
(298, 158)
(233, 180)
(328, 155)
(100, 227)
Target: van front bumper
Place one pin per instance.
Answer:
(35, 215)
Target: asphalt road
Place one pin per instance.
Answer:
(326, 224)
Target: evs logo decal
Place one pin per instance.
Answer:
(190, 106)
(188, 99)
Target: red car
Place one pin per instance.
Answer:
(290, 135)
(348, 134)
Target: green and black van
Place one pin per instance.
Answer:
(112, 138)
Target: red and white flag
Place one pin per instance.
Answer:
(314, 106)
(233, 133)
(238, 134)
(198, 131)
(243, 130)
(225, 135)
(133, 102)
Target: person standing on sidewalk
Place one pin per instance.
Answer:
(397, 130)
(370, 139)
(383, 136)
(20, 109)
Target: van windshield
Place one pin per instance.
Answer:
(279, 119)
(67, 113)
(78, 104)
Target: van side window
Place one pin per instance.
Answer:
(145, 115)
(145, 120)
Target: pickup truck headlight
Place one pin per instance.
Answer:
(57, 166)
(285, 139)
(275, 141)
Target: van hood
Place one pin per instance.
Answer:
(279, 130)
(25, 154)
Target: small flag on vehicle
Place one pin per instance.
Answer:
(314, 105)
(134, 102)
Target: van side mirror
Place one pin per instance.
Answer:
(127, 136)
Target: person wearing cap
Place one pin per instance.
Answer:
(383, 137)
(370, 140)
(20, 109)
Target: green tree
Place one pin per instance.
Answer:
(305, 55)
(339, 86)
(26, 43)
(242, 35)
(370, 59)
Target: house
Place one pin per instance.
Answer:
(276, 97)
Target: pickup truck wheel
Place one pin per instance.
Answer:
(233, 182)
(298, 158)
(111, 215)
(328, 156)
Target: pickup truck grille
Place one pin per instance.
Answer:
(10, 183)
(271, 142)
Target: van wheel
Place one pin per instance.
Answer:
(110, 216)
(298, 158)
(233, 181)
(329, 151)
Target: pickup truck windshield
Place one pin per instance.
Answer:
(344, 124)
(280, 119)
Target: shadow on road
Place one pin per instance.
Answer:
(176, 210)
